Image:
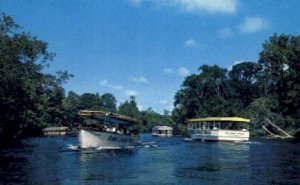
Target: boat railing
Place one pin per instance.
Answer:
(111, 130)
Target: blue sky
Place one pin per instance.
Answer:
(146, 48)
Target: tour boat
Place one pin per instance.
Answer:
(106, 130)
(219, 129)
(163, 131)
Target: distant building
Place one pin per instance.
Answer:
(164, 131)
(55, 131)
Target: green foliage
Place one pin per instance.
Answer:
(150, 118)
(109, 102)
(74, 102)
(29, 99)
(204, 94)
(267, 89)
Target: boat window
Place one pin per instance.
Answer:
(211, 125)
(223, 126)
(204, 126)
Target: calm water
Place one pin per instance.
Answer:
(55, 160)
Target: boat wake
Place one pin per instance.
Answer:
(148, 145)
(73, 147)
(140, 145)
(187, 139)
(253, 142)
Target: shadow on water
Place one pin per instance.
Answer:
(105, 166)
(212, 162)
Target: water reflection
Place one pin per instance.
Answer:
(105, 165)
(213, 162)
(172, 161)
(276, 162)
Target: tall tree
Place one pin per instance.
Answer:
(203, 94)
(90, 101)
(29, 99)
(109, 102)
(243, 78)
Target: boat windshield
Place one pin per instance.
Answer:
(107, 122)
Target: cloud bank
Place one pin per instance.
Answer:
(252, 24)
(194, 6)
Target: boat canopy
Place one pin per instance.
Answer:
(108, 116)
(219, 119)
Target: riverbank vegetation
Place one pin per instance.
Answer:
(268, 88)
(31, 99)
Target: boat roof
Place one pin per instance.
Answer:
(113, 118)
(220, 119)
(162, 128)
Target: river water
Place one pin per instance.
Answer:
(56, 160)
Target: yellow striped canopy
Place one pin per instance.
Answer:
(220, 119)
(102, 114)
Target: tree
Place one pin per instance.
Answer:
(279, 78)
(129, 108)
(243, 78)
(29, 99)
(109, 102)
(71, 105)
(203, 94)
(90, 101)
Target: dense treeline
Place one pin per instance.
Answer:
(29, 98)
(268, 88)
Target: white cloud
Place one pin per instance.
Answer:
(182, 71)
(252, 24)
(209, 6)
(165, 104)
(130, 92)
(235, 63)
(191, 43)
(140, 107)
(140, 79)
(225, 32)
(194, 6)
(103, 82)
(116, 87)
(168, 70)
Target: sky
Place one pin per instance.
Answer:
(146, 48)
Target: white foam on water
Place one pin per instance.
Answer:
(72, 147)
(253, 142)
(143, 145)
(148, 145)
(187, 139)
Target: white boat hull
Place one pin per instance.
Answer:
(220, 135)
(162, 135)
(106, 140)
